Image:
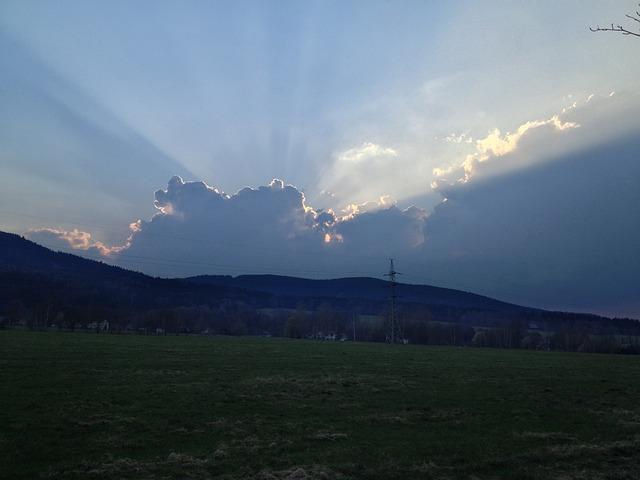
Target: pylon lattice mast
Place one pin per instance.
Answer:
(395, 335)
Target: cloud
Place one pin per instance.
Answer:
(495, 145)
(383, 231)
(458, 138)
(600, 117)
(354, 209)
(367, 151)
(550, 216)
(562, 234)
(69, 241)
(271, 229)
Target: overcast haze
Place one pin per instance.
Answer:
(491, 147)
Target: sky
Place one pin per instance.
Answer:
(489, 147)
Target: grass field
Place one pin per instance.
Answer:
(107, 406)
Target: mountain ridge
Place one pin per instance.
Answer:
(23, 259)
(356, 287)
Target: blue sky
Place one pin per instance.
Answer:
(103, 102)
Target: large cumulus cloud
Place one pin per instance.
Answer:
(271, 229)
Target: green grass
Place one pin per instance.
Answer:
(78, 405)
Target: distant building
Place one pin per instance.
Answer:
(102, 326)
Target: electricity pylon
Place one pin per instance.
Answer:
(395, 335)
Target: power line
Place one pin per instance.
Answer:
(322, 247)
(190, 267)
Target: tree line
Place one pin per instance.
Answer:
(422, 326)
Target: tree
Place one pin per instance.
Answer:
(296, 323)
(619, 28)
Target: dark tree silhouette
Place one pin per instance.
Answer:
(619, 28)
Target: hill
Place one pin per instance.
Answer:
(364, 288)
(33, 274)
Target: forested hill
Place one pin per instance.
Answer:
(33, 275)
(19, 254)
(356, 288)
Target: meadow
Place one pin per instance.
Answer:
(89, 406)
